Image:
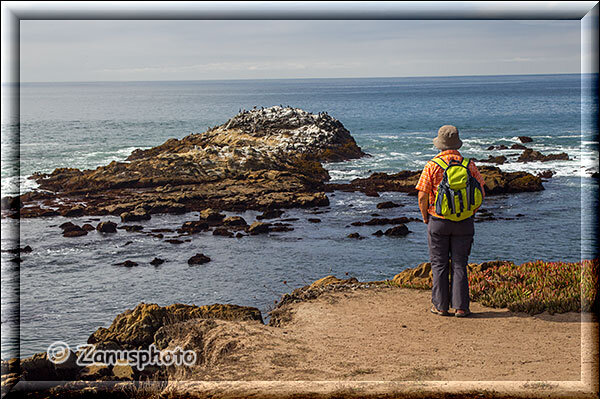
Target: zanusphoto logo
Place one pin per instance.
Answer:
(59, 352)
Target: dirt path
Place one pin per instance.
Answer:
(388, 334)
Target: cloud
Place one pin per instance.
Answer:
(200, 49)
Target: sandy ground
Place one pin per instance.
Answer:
(388, 334)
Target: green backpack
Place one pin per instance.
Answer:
(459, 194)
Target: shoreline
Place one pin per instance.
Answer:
(310, 338)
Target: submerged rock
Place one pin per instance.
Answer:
(258, 228)
(355, 236)
(222, 231)
(518, 146)
(157, 262)
(88, 227)
(74, 231)
(127, 263)
(107, 227)
(388, 205)
(397, 231)
(235, 221)
(193, 227)
(384, 221)
(198, 259)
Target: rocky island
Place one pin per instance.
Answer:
(263, 159)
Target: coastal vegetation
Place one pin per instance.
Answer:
(531, 287)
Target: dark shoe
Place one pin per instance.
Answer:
(435, 310)
(462, 313)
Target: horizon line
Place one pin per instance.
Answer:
(303, 78)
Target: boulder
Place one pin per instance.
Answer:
(198, 259)
(378, 233)
(355, 236)
(236, 221)
(136, 215)
(88, 227)
(75, 232)
(68, 226)
(136, 328)
(418, 276)
(387, 205)
(193, 227)
(518, 146)
(107, 227)
(397, 231)
(127, 263)
(258, 228)
(314, 220)
(74, 211)
(546, 174)
(157, 262)
(497, 160)
(525, 139)
(222, 231)
(211, 215)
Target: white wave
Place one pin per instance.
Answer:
(15, 185)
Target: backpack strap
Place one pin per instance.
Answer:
(465, 162)
(440, 162)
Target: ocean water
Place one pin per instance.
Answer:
(66, 288)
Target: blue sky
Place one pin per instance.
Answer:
(99, 50)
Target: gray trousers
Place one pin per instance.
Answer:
(450, 240)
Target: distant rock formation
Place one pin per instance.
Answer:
(530, 155)
(260, 159)
(496, 182)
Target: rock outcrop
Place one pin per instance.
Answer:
(136, 328)
(530, 155)
(260, 159)
(496, 182)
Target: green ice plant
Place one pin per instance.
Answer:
(535, 287)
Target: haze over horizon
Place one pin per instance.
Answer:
(155, 50)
